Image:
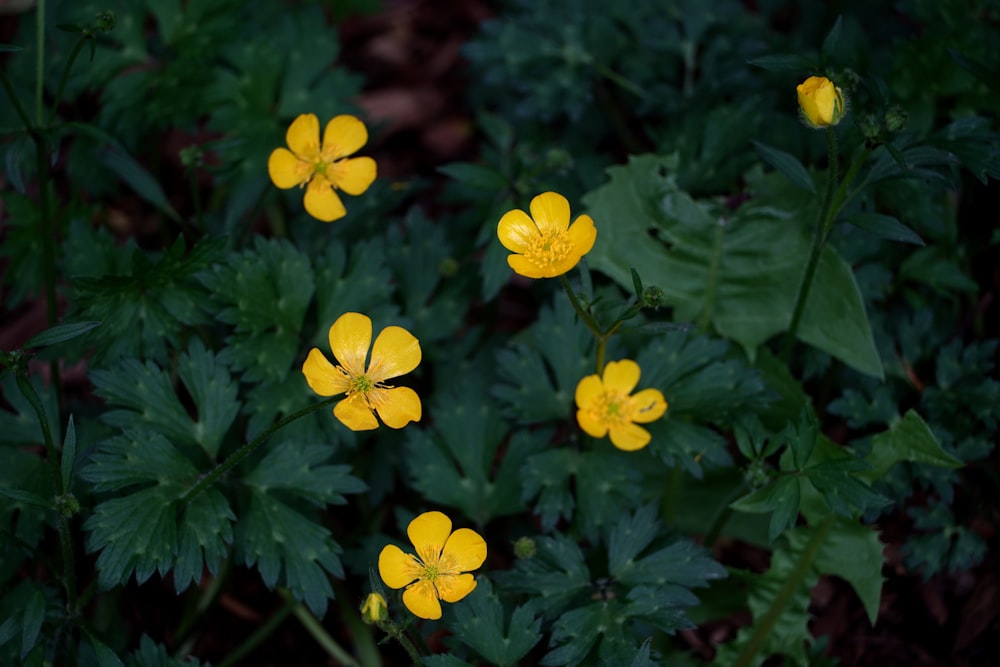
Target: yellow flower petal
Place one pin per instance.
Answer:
(421, 599)
(350, 338)
(397, 406)
(516, 231)
(587, 390)
(396, 352)
(428, 532)
(465, 550)
(621, 376)
(822, 102)
(550, 211)
(321, 202)
(525, 267)
(342, 136)
(453, 588)
(353, 176)
(583, 233)
(303, 136)
(355, 414)
(396, 567)
(322, 376)
(629, 437)
(591, 425)
(286, 170)
(647, 406)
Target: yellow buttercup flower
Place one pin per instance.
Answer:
(821, 102)
(606, 406)
(323, 168)
(396, 352)
(546, 245)
(440, 569)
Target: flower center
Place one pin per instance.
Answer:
(549, 248)
(361, 384)
(612, 408)
(430, 573)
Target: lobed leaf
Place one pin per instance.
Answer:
(481, 625)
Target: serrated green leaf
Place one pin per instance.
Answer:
(292, 467)
(885, 227)
(281, 541)
(204, 536)
(264, 294)
(853, 552)
(363, 284)
(481, 626)
(683, 563)
(214, 393)
(788, 165)
(761, 255)
(60, 333)
(909, 439)
(554, 576)
(782, 498)
(547, 476)
(607, 483)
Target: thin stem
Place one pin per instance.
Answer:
(260, 634)
(578, 307)
(397, 633)
(765, 626)
(720, 520)
(322, 637)
(39, 61)
(65, 76)
(819, 240)
(362, 635)
(52, 455)
(47, 230)
(16, 101)
(619, 80)
(233, 459)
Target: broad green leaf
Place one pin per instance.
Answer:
(263, 293)
(289, 547)
(909, 439)
(885, 227)
(481, 625)
(788, 165)
(760, 252)
(853, 552)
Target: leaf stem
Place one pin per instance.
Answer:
(65, 76)
(322, 637)
(764, 628)
(233, 459)
(16, 101)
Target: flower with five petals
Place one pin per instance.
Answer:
(440, 569)
(395, 352)
(606, 405)
(545, 244)
(323, 168)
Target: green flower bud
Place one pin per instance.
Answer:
(524, 547)
(374, 610)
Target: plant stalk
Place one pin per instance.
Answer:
(322, 637)
(260, 634)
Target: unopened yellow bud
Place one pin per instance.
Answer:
(821, 102)
(374, 609)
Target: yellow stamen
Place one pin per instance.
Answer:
(549, 248)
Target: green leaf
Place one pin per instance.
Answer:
(10, 48)
(788, 165)
(884, 227)
(760, 253)
(784, 62)
(476, 175)
(909, 439)
(364, 284)
(480, 625)
(831, 39)
(19, 496)
(21, 427)
(138, 178)
(214, 394)
(151, 654)
(263, 293)
(105, 656)
(31, 625)
(576, 632)
(782, 498)
(853, 552)
(547, 476)
(60, 333)
(293, 467)
(554, 576)
(281, 541)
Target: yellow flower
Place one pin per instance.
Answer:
(436, 572)
(605, 405)
(396, 352)
(821, 102)
(546, 245)
(324, 167)
(374, 609)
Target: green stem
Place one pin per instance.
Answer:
(619, 80)
(397, 633)
(322, 637)
(39, 62)
(765, 626)
(233, 459)
(47, 230)
(260, 634)
(819, 240)
(65, 76)
(362, 635)
(588, 320)
(715, 529)
(713, 280)
(65, 543)
(16, 101)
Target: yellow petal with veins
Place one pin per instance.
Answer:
(396, 567)
(322, 376)
(343, 136)
(303, 136)
(421, 599)
(550, 211)
(350, 337)
(321, 202)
